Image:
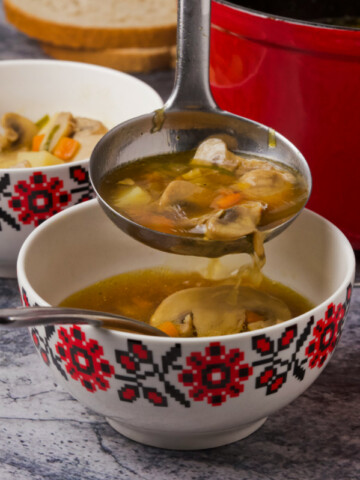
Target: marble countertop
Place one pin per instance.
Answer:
(46, 434)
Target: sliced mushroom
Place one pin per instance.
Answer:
(218, 310)
(235, 222)
(186, 326)
(18, 132)
(270, 186)
(213, 151)
(248, 164)
(60, 125)
(84, 127)
(184, 194)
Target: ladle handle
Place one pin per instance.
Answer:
(41, 316)
(192, 89)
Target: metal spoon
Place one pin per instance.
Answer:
(41, 316)
(190, 115)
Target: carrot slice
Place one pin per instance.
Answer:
(228, 200)
(253, 317)
(159, 223)
(36, 142)
(66, 148)
(169, 328)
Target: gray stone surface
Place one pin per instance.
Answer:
(45, 434)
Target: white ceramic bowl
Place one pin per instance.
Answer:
(34, 88)
(178, 392)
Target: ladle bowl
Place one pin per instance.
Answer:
(189, 116)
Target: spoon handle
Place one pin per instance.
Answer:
(38, 316)
(192, 89)
(41, 316)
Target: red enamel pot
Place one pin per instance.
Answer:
(303, 79)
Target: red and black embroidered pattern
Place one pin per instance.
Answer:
(325, 334)
(38, 199)
(274, 369)
(4, 215)
(83, 359)
(42, 344)
(139, 365)
(32, 201)
(44, 352)
(24, 298)
(215, 375)
(81, 176)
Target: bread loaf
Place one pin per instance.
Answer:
(124, 59)
(96, 24)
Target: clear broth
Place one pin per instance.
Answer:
(137, 294)
(153, 175)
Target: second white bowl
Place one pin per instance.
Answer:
(33, 88)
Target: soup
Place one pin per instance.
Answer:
(50, 141)
(210, 192)
(191, 304)
(215, 194)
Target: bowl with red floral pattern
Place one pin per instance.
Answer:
(184, 393)
(41, 178)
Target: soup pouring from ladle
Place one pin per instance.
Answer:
(190, 116)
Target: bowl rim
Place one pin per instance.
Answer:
(70, 64)
(60, 64)
(48, 168)
(90, 204)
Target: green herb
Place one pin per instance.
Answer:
(42, 122)
(50, 137)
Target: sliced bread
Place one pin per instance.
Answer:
(96, 24)
(124, 59)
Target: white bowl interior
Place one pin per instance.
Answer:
(37, 87)
(81, 245)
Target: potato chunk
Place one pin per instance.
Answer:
(38, 159)
(131, 196)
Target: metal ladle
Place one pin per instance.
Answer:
(42, 316)
(189, 116)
